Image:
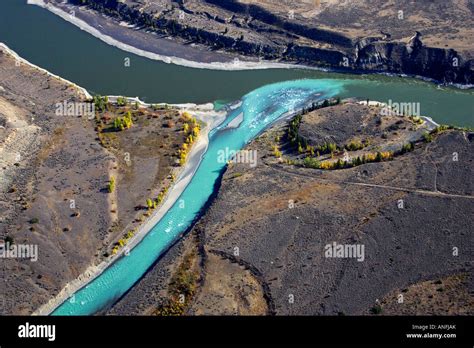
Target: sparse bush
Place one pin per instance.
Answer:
(111, 186)
(187, 116)
(122, 123)
(416, 120)
(310, 162)
(427, 137)
(354, 146)
(407, 148)
(441, 128)
(121, 101)
(100, 103)
(149, 203)
(377, 309)
(327, 148)
(300, 149)
(276, 151)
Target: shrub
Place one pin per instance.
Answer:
(300, 148)
(354, 146)
(125, 122)
(327, 148)
(427, 137)
(407, 148)
(121, 101)
(100, 103)
(111, 186)
(416, 119)
(9, 240)
(276, 151)
(377, 309)
(310, 162)
(187, 116)
(293, 130)
(441, 128)
(149, 203)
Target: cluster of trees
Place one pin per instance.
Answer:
(151, 204)
(324, 104)
(428, 137)
(100, 103)
(192, 129)
(442, 128)
(161, 195)
(319, 150)
(406, 148)
(122, 123)
(310, 162)
(293, 128)
(355, 145)
(123, 241)
(182, 288)
(327, 148)
(301, 143)
(121, 101)
(416, 119)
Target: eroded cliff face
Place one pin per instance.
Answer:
(252, 30)
(414, 58)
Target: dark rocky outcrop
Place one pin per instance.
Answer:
(252, 30)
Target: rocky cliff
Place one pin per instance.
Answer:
(252, 30)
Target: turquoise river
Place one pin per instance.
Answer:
(266, 95)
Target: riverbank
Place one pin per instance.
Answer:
(282, 215)
(211, 119)
(132, 39)
(51, 160)
(195, 45)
